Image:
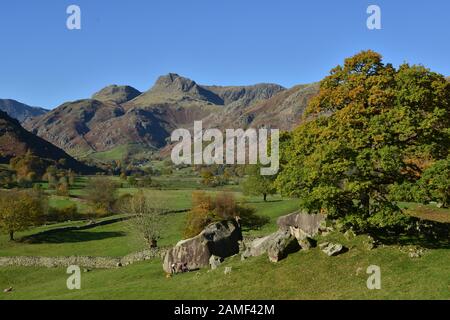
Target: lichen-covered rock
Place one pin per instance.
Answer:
(281, 244)
(220, 239)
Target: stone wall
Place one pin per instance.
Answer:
(86, 262)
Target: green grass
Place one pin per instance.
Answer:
(303, 275)
(118, 240)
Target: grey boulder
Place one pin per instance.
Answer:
(305, 224)
(220, 239)
(281, 244)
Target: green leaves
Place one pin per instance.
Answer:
(381, 127)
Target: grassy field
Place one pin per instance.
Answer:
(303, 275)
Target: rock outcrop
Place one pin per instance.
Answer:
(220, 239)
(309, 224)
(295, 232)
(282, 243)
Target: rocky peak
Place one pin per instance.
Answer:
(118, 94)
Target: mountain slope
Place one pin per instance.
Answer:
(20, 111)
(16, 141)
(114, 118)
(283, 111)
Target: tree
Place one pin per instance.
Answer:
(20, 210)
(369, 127)
(101, 194)
(146, 216)
(435, 182)
(257, 184)
(207, 178)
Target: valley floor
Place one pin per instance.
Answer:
(303, 275)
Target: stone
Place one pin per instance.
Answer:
(333, 249)
(215, 262)
(298, 233)
(323, 245)
(415, 252)
(10, 289)
(309, 224)
(220, 239)
(256, 247)
(306, 244)
(282, 243)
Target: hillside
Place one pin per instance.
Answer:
(20, 111)
(16, 141)
(113, 118)
(283, 110)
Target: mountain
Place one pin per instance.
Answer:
(113, 118)
(16, 141)
(244, 96)
(173, 87)
(283, 110)
(20, 111)
(115, 93)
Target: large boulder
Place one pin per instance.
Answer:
(301, 224)
(256, 247)
(277, 246)
(220, 239)
(281, 244)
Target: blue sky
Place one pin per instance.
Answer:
(224, 42)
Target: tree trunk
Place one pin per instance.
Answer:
(265, 197)
(11, 236)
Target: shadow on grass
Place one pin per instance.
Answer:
(71, 236)
(427, 234)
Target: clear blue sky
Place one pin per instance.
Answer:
(224, 42)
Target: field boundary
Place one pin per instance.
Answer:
(83, 261)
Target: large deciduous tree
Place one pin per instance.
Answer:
(370, 126)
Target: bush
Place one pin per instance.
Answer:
(208, 209)
(101, 194)
(67, 213)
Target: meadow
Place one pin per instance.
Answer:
(303, 275)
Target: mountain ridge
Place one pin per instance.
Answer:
(20, 111)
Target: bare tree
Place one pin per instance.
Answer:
(146, 216)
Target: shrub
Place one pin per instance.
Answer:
(67, 213)
(208, 209)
